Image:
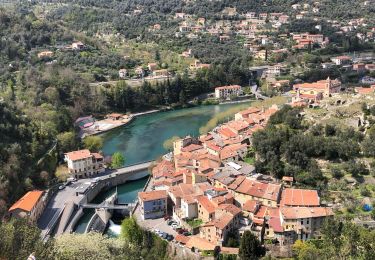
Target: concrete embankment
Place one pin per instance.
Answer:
(66, 220)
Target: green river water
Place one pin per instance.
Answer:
(142, 140)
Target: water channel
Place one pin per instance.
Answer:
(142, 140)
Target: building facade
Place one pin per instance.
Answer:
(30, 206)
(228, 91)
(153, 204)
(84, 164)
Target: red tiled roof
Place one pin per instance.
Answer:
(79, 155)
(305, 212)
(28, 201)
(250, 206)
(152, 195)
(207, 204)
(230, 208)
(182, 239)
(259, 189)
(191, 148)
(229, 87)
(299, 197)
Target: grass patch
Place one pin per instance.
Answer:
(249, 160)
(195, 222)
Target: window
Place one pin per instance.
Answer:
(308, 222)
(301, 222)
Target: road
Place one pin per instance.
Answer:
(134, 82)
(57, 203)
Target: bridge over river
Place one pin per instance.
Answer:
(128, 206)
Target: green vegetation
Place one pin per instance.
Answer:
(145, 242)
(250, 247)
(340, 240)
(93, 143)
(194, 222)
(221, 118)
(19, 239)
(117, 160)
(287, 146)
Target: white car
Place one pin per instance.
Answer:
(175, 226)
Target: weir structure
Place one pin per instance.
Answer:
(66, 216)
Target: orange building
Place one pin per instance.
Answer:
(31, 205)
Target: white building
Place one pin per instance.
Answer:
(78, 46)
(228, 91)
(83, 163)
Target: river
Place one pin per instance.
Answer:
(142, 140)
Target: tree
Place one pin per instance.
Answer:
(91, 246)
(118, 160)
(250, 247)
(19, 239)
(131, 231)
(67, 141)
(93, 143)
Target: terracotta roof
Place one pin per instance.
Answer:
(223, 221)
(163, 169)
(287, 178)
(28, 201)
(79, 155)
(213, 146)
(299, 197)
(200, 244)
(250, 206)
(258, 189)
(251, 110)
(305, 212)
(230, 250)
(230, 208)
(97, 155)
(362, 90)
(226, 198)
(182, 239)
(342, 57)
(238, 125)
(191, 148)
(226, 132)
(229, 87)
(206, 204)
(152, 195)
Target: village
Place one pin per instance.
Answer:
(206, 191)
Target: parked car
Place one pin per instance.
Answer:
(181, 230)
(164, 235)
(171, 221)
(61, 187)
(175, 226)
(170, 237)
(71, 179)
(187, 234)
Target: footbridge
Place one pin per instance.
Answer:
(128, 206)
(134, 167)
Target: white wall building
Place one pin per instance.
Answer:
(83, 163)
(228, 91)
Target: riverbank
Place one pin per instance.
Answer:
(107, 124)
